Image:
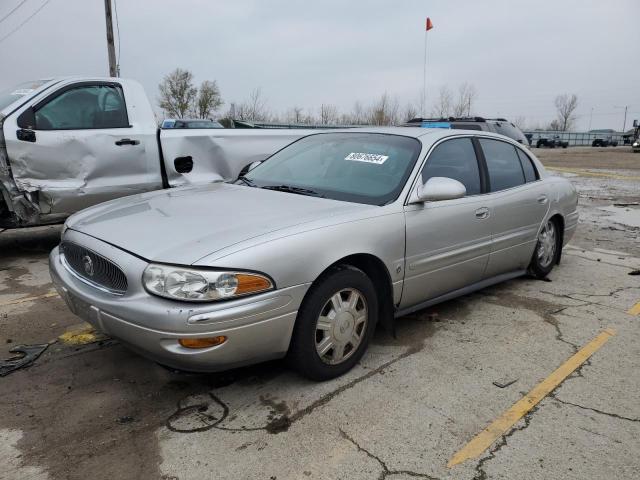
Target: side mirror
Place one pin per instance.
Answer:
(437, 189)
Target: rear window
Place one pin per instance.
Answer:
(511, 131)
(503, 164)
(529, 170)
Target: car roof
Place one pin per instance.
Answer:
(427, 135)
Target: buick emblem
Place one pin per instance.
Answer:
(87, 263)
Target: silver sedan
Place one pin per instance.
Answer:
(303, 255)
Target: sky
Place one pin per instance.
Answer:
(518, 55)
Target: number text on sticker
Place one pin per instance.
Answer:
(367, 158)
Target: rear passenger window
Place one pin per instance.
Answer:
(527, 166)
(503, 164)
(455, 159)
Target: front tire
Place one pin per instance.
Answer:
(547, 250)
(334, 325)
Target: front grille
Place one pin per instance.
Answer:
(94, 268)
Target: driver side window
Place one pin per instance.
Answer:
(84, 107)
(455, 159)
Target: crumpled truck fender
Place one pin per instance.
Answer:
(220, 154)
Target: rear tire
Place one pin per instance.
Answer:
(334, 325)
(547, 251)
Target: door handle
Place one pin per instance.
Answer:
(26, 135)
(482, 213)
(127, 141)
(542, 199)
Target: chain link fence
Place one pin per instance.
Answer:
(576, 139)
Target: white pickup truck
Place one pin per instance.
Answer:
(66, 144)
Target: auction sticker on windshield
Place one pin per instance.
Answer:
(367, 158)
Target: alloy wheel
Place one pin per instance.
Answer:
(547, 244)
(341, 326)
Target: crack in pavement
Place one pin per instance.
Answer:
(481, 474)
(277, 425)
(385, 469)
(600, 261)
(549, 317)
(595, 410)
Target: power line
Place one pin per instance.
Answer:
(25, 21)
(16, 8)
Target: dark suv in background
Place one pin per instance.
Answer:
(495, 125)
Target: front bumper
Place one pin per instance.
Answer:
(257, 328)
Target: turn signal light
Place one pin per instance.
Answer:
(202, 342)
(251, 284)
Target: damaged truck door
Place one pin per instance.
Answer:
(83, 144)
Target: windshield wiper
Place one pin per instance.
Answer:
(292, 189)
(247, 181)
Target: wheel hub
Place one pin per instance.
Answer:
(344, 325)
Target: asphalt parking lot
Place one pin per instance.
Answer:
(89, 408)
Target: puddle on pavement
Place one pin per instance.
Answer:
(629, 216)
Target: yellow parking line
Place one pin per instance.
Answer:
(28, 299)
(635, 310)
(508, 419)
(582, 172)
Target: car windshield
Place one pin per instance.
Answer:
(7, 97)
(370, 168)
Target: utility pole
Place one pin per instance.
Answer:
(113, 68)
(590, 118)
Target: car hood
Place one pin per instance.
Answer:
(183, 225)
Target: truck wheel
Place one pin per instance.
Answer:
(538, 144)
(547, 250)
(334, 325)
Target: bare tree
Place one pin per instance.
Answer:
(385, 111)
(409, 112)
(358, 115)
(208, 99)
(254, 108)
(466, 96)
(555, 125)
(295, 115)
(520, 121)
(443, 106)
(177, 93)
(257, 105)
(565, 105)
(328, 114)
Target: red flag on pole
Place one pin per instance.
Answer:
(429, 24)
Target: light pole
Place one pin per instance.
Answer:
(590, 118)
(624, 123)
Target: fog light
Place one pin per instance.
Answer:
(202, 342)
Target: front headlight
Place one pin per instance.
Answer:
(200, 285)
